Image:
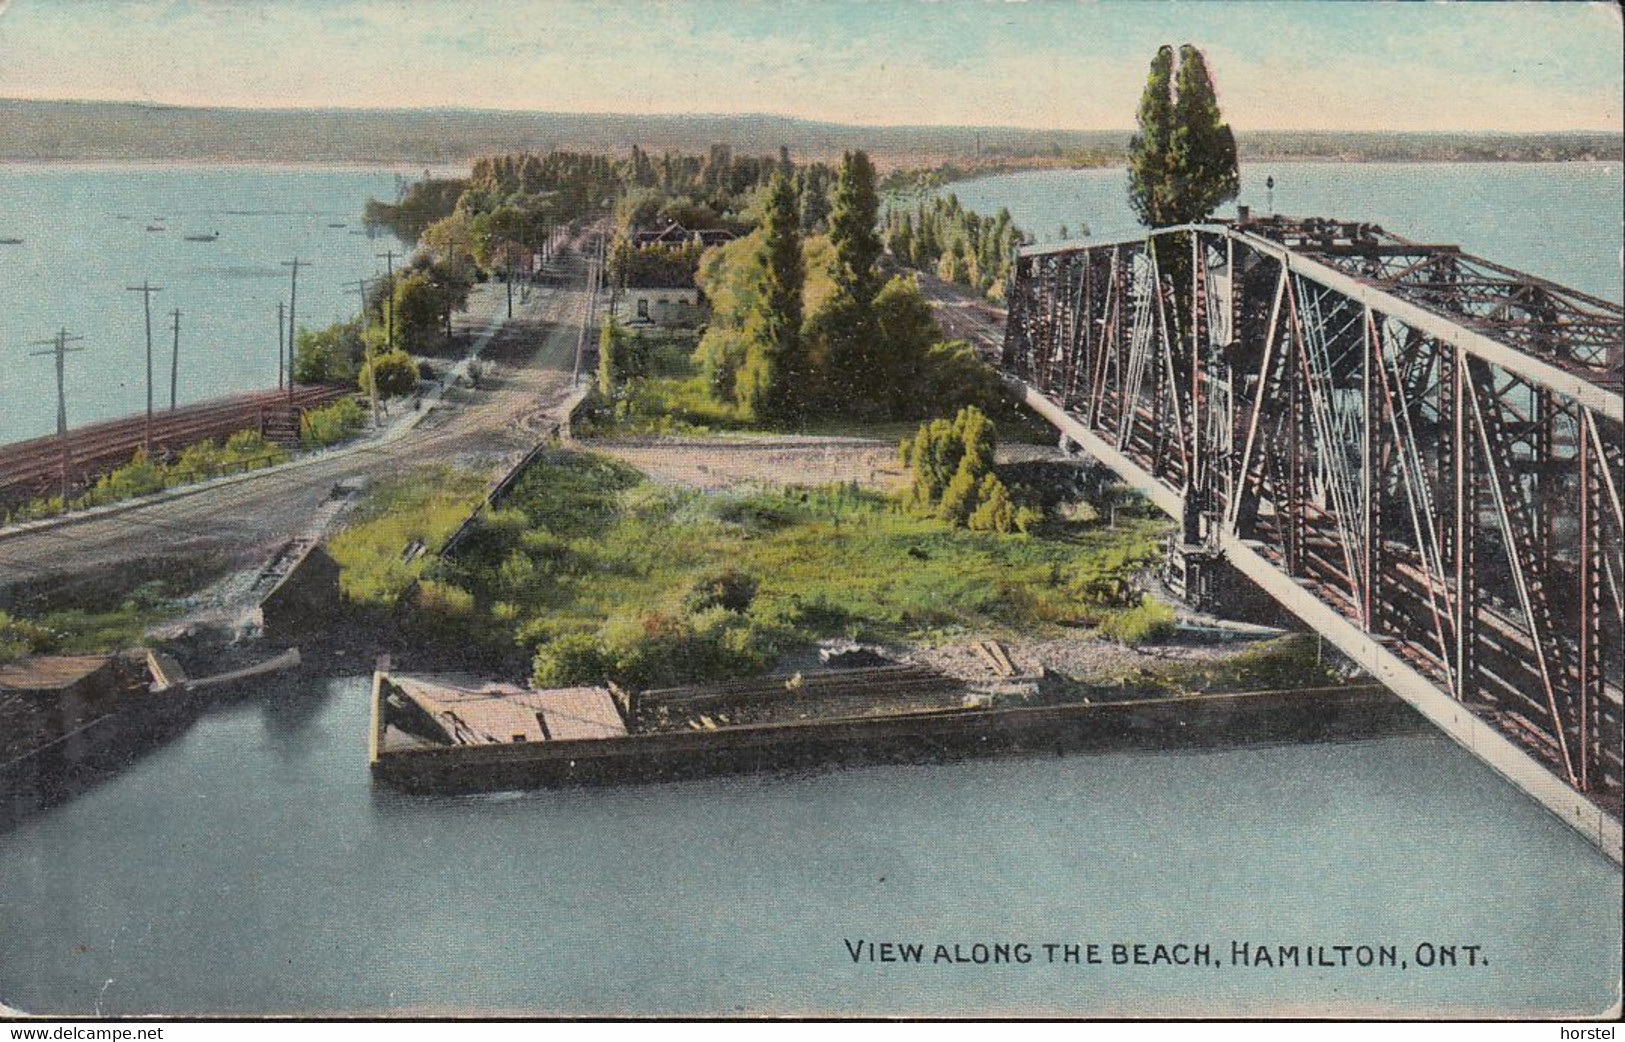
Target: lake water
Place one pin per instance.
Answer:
(250, 866)
(85, 238)
(1561, 221)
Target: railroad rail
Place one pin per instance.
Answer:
(33, 469)
(1416, 450)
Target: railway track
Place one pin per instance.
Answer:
(33, 468)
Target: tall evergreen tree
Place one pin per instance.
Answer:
(1148, 150)
(1182, 161)
(814, 198)
(852, 230)
(844, 332)
(777, 376)
(1202, 149)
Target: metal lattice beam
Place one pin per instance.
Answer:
(1424, 442)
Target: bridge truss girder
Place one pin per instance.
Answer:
(1429, 443)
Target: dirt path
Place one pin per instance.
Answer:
(785, 459)
(719, 461)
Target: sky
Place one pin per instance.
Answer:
(1063, 64)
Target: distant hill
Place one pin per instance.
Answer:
(79, 131)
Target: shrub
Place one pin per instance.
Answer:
(575, 658)
(444, 599)
(245, 445)
(19, 637)
(396, 373)
(331, 424)
(516, 576)
(959, 498)
(136, 478)
(731, 590)
(994, 511)
(953, 475)
(954, 376)
(1150, 620)
(655, 649)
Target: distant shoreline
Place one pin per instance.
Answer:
(61, 132)
(442, 168)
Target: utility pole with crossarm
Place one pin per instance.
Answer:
(366, 351)
(59, 348)
(293, 297)
(147, 289)
(175, 360)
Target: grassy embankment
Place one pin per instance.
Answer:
(422, 506)
(243, 451)
(589, 571)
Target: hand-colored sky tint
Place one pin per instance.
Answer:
(1044, 63)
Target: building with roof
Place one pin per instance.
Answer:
(674, 234)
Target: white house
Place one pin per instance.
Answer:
(661, 306)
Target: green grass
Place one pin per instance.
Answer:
(81, 630)
(423, 505)
(599, 570)
(1287, 662)
(244, 450)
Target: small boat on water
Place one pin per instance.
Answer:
(11, 242)
(156, 228)
(203, 238)
(336, 224)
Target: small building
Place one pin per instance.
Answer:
(674, 234)
(305, 598)
(670, 307)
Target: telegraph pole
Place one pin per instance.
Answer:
(281, 349)
(366, 343)
(389, 304)
(146, 289)
(507, 253)
(175, 360)
(293, 298)
(59, 348)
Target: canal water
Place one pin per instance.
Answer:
(250, 867)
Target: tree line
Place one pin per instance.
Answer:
(810, 323)
(941, 236)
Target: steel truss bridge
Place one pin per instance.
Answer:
(1415, 450)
